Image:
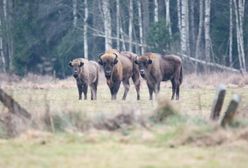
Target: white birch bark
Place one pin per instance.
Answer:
(167, 16)
(207, 30)
(74, 11)
(155, 10)
(179, 16)
(130, 25)
(2, 58)
(107, 24)
(140, 27)
(199, 35)
(85, 29)
(118, 23)
(230, 33)
(184, 28)
(239, 13)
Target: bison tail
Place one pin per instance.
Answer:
(181, 75)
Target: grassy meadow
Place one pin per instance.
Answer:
(66, 132)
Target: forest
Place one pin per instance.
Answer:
(42, 36)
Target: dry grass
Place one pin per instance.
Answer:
(66, 132)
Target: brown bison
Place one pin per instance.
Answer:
(86, 74)
(155, 68)
(120, 67)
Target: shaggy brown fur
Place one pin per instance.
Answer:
(119, 67)
(86, 74)
(156, 68)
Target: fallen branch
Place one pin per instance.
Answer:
(12, 105)
(210, 64)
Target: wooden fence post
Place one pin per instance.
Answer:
(231, 110)
(12, 105)
(218, 102)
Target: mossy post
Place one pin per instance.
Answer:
(218, 102)
(231, 110)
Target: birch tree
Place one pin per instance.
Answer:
(155, 10)
(107, 24)
(179, 16)
(140, 27)
(2, 58)
(85, 29)
(74, 11)
(200, 31)
(207, 30)
(184, 27)
(239, 16)
(130, 26)
(118, 16)
(230, 33)
(167, 16)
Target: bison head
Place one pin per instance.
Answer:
(143, 63)
(108, 61)
(76, 65)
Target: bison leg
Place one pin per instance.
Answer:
(114, 89)
(80, 91)
(177, 92)
(85, 90)
(93, 89)
(136, 81)
(173, 88)
(126, 87)
(151, 89)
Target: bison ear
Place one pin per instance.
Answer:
(149, 61)
(70, 64)
(81, 64)
(115, 61)
(100, 61)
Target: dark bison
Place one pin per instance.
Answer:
(155, 68)
(86, 74)
(120, 67)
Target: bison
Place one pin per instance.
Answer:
(86, 74)
(120, 67)
(155, 68)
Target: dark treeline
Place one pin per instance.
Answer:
(41, 36)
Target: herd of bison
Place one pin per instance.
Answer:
(121, 66)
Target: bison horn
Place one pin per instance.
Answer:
(70, 64)
(115, 60)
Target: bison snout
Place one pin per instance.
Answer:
(75, 75)
(107, 74)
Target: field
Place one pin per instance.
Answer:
(66, 132)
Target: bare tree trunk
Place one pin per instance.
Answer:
(123, 39)
(239, 14)
(130, 28)
(146, 17)
(85, 29)
(74, 11)
(179, 16)
(192, 28)
(199, 36)
(184, 29)
(107, 24)
(7, 9)
(167, 16)
(140, 27)
(118, 16)
(207, 30)
(230, 33)
(155, 10)
(2, 57)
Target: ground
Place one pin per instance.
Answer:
(185, 139)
